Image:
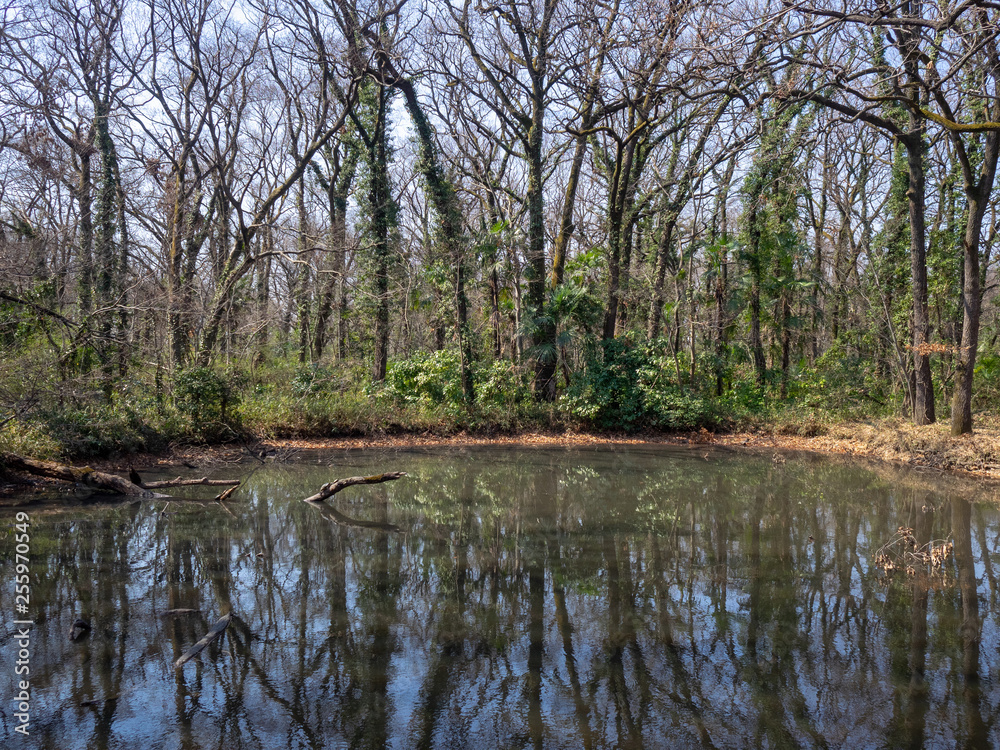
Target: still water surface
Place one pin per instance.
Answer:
(583, 598)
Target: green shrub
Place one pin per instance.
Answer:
(607, 393)
(625, 386)
(101, 430)
(499, 384)
(310, 379)
(986, 389)
(843, 383)
(28, 439)
(424, 378)
(673, 409)
(745, 400)
(202, 394)
(206, 399)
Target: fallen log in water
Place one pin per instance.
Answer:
(100, 480)
(332, 488)
(210, 636)
(82, 474)
(181, 482)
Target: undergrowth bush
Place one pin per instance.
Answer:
(627, 386)
(28, 439)
(424, 377)
(500, 384)
(842, 383)
(202, 394)
(986, 393)
(101, 430)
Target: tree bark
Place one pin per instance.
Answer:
(977, 193)
(923, 397)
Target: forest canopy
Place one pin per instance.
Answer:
(316, 215)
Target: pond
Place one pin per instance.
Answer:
(615, 596)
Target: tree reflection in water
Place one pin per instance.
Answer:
(580, 598)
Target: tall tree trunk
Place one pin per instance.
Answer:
(566, 225)
(543, 329)
(614, 274)
(106, 251)
(660, 278)
(721, 299)
(923, 397)
(977, 194)
(378, 200)
(819, 227)
(754, 268)
(263, 272)
(305, 272)
(442, 194)
(176, 328)
(719, 237)
(337, 185)
(85, 197)
(786, 338)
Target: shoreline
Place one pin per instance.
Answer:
(894, 442)
(974, 457)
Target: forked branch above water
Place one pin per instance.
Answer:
(332, 488)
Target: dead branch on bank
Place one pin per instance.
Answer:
(332, 488)
(210, 636)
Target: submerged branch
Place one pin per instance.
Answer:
(210, 636)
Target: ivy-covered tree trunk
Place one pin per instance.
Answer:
(668, 223)
(379, 199)
(755, 270)
(108, 255)
(445, 201)
(263, 273)
(621, 203)
(85, 197)
(175, 312)
(543, 327)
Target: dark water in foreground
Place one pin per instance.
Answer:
(631, 597)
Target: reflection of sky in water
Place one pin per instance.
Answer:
(563, 598)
